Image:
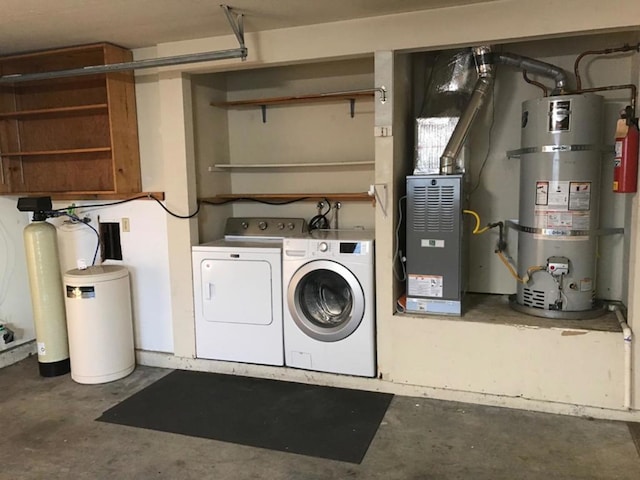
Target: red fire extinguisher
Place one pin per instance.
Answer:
(625, 170)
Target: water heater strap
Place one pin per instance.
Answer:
(560, 148)
(554, 232)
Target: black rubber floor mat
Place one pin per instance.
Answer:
(326, 422)
(634, 430)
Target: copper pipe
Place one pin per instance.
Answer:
(537, 84)
(629, 86)
(625, 48)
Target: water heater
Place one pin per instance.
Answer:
(559, 203)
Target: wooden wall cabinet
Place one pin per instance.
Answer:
(75, 135)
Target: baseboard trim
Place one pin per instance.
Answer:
(168, 360)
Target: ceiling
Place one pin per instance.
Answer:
(27, 25)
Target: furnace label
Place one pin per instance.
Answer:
(425, 286)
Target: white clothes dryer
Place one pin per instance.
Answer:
(238, 291)
(329, 302)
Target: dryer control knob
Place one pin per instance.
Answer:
(262, 225)
(280, 226)
(323, 247)
(291, 225)
(245, 225)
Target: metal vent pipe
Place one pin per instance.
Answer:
(478, 97)
(485, 61)
(534, 66)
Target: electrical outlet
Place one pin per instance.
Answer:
(125, 224)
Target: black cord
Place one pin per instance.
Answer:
(265, 202)
(184, 217)
(139, 197)
(320, 221)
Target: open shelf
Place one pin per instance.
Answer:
(71, 134)
(350, 96)
(55, 111)
(317, 97)
(97, 195)
(67, 151)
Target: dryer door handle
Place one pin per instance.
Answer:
(209, 290)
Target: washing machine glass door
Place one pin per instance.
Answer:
(325, 300)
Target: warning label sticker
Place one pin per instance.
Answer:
(561, 219)
(558, 195)
(425, 285)
(542, 193)
(579, 195)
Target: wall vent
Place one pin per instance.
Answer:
(440, 209)
(419, 208)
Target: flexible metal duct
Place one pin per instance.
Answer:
(477, 100)
(485, 60)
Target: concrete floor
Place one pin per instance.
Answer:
(49, 431)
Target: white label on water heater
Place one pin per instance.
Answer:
(542, 193)
(558, 195)
(42, 349)
(579, 195)
(562, 206)
(425, 286)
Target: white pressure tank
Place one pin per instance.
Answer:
(99, 322)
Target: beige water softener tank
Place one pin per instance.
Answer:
(47, 297)
(99, 323)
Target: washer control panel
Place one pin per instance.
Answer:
(265, 227)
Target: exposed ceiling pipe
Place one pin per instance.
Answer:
(481, 90)
(606, 51)
(241, 52)
(534, 66)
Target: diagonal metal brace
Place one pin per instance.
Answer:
(237, 25)
(241, 52)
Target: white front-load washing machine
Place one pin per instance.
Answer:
(238, 291)
(329, 302)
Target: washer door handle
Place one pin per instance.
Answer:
(209, 290)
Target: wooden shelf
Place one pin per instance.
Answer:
(318, 97)
(239, 166)
(56, 152)
(55, 111)
(350, 96)
(90, 195)
(286, 197)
